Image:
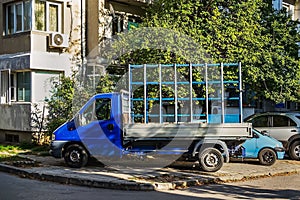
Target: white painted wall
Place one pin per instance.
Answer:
(42, 82)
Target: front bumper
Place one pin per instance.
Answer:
(56, 148)
(280, 152)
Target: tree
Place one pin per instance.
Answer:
(60, 103)
(243, 30)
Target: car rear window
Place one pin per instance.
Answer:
(280, 121)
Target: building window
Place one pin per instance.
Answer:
(4, 87)
(117, 25)
(133, 22)
(24, 86)
(289, 9)
(48, 16)
(45, 16)
(12, 138)
(13, 87)
(18, 17)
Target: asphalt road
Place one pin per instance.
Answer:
(281, 187)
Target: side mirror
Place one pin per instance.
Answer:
(265, 132)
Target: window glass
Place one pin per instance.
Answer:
(102, 108)
(19, 18)
(4, 86)
(280, 121)
(27, 15)
(24, 86)
(10, 19)
(261, 121)
(40, 15)
(292, 123)
(88, 115)
(53, 18)
(13, 87)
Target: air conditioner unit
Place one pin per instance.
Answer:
(58, 40)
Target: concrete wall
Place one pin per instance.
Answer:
(15, 117)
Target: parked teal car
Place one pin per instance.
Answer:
(264, 148)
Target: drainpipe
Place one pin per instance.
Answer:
(83, 42)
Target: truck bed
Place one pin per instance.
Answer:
(225, 131)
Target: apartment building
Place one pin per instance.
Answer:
(43, 39)
(34, 47)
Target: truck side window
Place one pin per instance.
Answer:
(102, 109)
(88, 115)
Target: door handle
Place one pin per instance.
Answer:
(110, 127)
(294, 131)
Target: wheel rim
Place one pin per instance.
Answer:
(75, 156)
(297, 150)
(268, 157)
(211, 160)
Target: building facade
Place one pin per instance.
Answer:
(44, 39)
(33, 51)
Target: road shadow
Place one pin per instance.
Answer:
(243, 192)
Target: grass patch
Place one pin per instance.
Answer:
(10, 149)
(10, 158)
(24, 148)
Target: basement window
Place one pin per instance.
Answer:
(12, 138)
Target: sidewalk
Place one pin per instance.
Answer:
(125, 178)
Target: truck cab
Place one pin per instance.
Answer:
(95, 130)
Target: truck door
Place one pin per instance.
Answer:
(98, 130)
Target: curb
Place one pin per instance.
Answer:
(120, 185)
(123, 184)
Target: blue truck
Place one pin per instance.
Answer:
(116, 125)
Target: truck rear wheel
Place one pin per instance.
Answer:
(76, 156)
(211, 160)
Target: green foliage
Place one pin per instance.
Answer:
(60, 103)
(9, 148)
(105, 84)
(247, 31)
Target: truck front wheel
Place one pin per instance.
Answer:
(76, 156)
(211, 160)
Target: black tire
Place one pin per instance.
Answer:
(76, 156)
(267, 157)
(294, 150)
(211, 160)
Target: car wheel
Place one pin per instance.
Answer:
(294, 150)
(76, 156)
(267, 157)
(211, 160)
